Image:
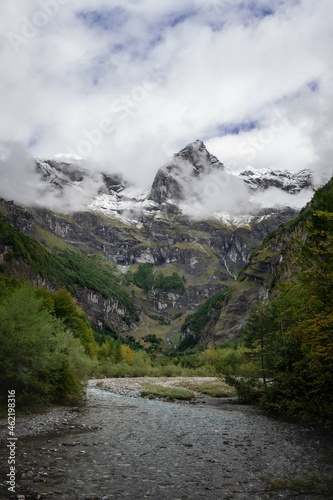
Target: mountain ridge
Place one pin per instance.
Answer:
(194, 183)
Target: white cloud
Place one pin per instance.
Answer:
(21, 182)
(274, 197)
(164, 74)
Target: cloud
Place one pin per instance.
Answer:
(275, 144)
(226, 194)
(275, 198)
(21, 182)
(217, 192)
(130, 84)
(18, 175)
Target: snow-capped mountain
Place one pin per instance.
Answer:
(60, 173)
(282, 179)
(193, 183)
(192, 162)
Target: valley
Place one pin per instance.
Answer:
(166, 250)
(161, 292)
(119, 232)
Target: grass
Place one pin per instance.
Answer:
(149, 326)
(120, 370)
(66, 267)
(318, 487)
(213, 388)
(153, 391)
(184, 391)
(50, 240)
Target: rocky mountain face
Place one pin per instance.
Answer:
(193, 179)
(282, 179)
(194, 161)
(59, 173)
(127, 230)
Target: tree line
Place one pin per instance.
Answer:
(290, 336)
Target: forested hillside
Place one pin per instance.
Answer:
(290, 335)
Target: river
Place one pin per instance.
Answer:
(126, 447)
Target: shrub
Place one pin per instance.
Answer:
(40, 359)
(248, 389)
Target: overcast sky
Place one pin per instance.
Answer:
(130, 83)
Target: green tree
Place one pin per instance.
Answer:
(7, 286)
(258, 336)
(39, 359)
(62, 305)
(144, 277)
(294, 331)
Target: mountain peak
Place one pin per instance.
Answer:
(190, 162)
(197, 154)
(194, 182)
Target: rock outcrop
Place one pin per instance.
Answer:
(282, 179)
(191, 162)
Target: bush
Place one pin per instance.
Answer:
(248, 389)
(229, 361)
(40, 359)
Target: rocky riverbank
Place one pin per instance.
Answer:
(134, 386)
(61, 417)
(118, 446)
(49, 421)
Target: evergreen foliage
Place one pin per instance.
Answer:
(170, 283)
(145, 278)
(208, 312)
(61, 304)
(291, 335)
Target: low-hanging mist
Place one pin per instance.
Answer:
(216, 191)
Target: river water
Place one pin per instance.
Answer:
(126, 447)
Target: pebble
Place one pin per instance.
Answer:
(158, 450)
(34, 425)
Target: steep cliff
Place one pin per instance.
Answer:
(207, 253)
(192, 162)
(271, 263)
(92, 281)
